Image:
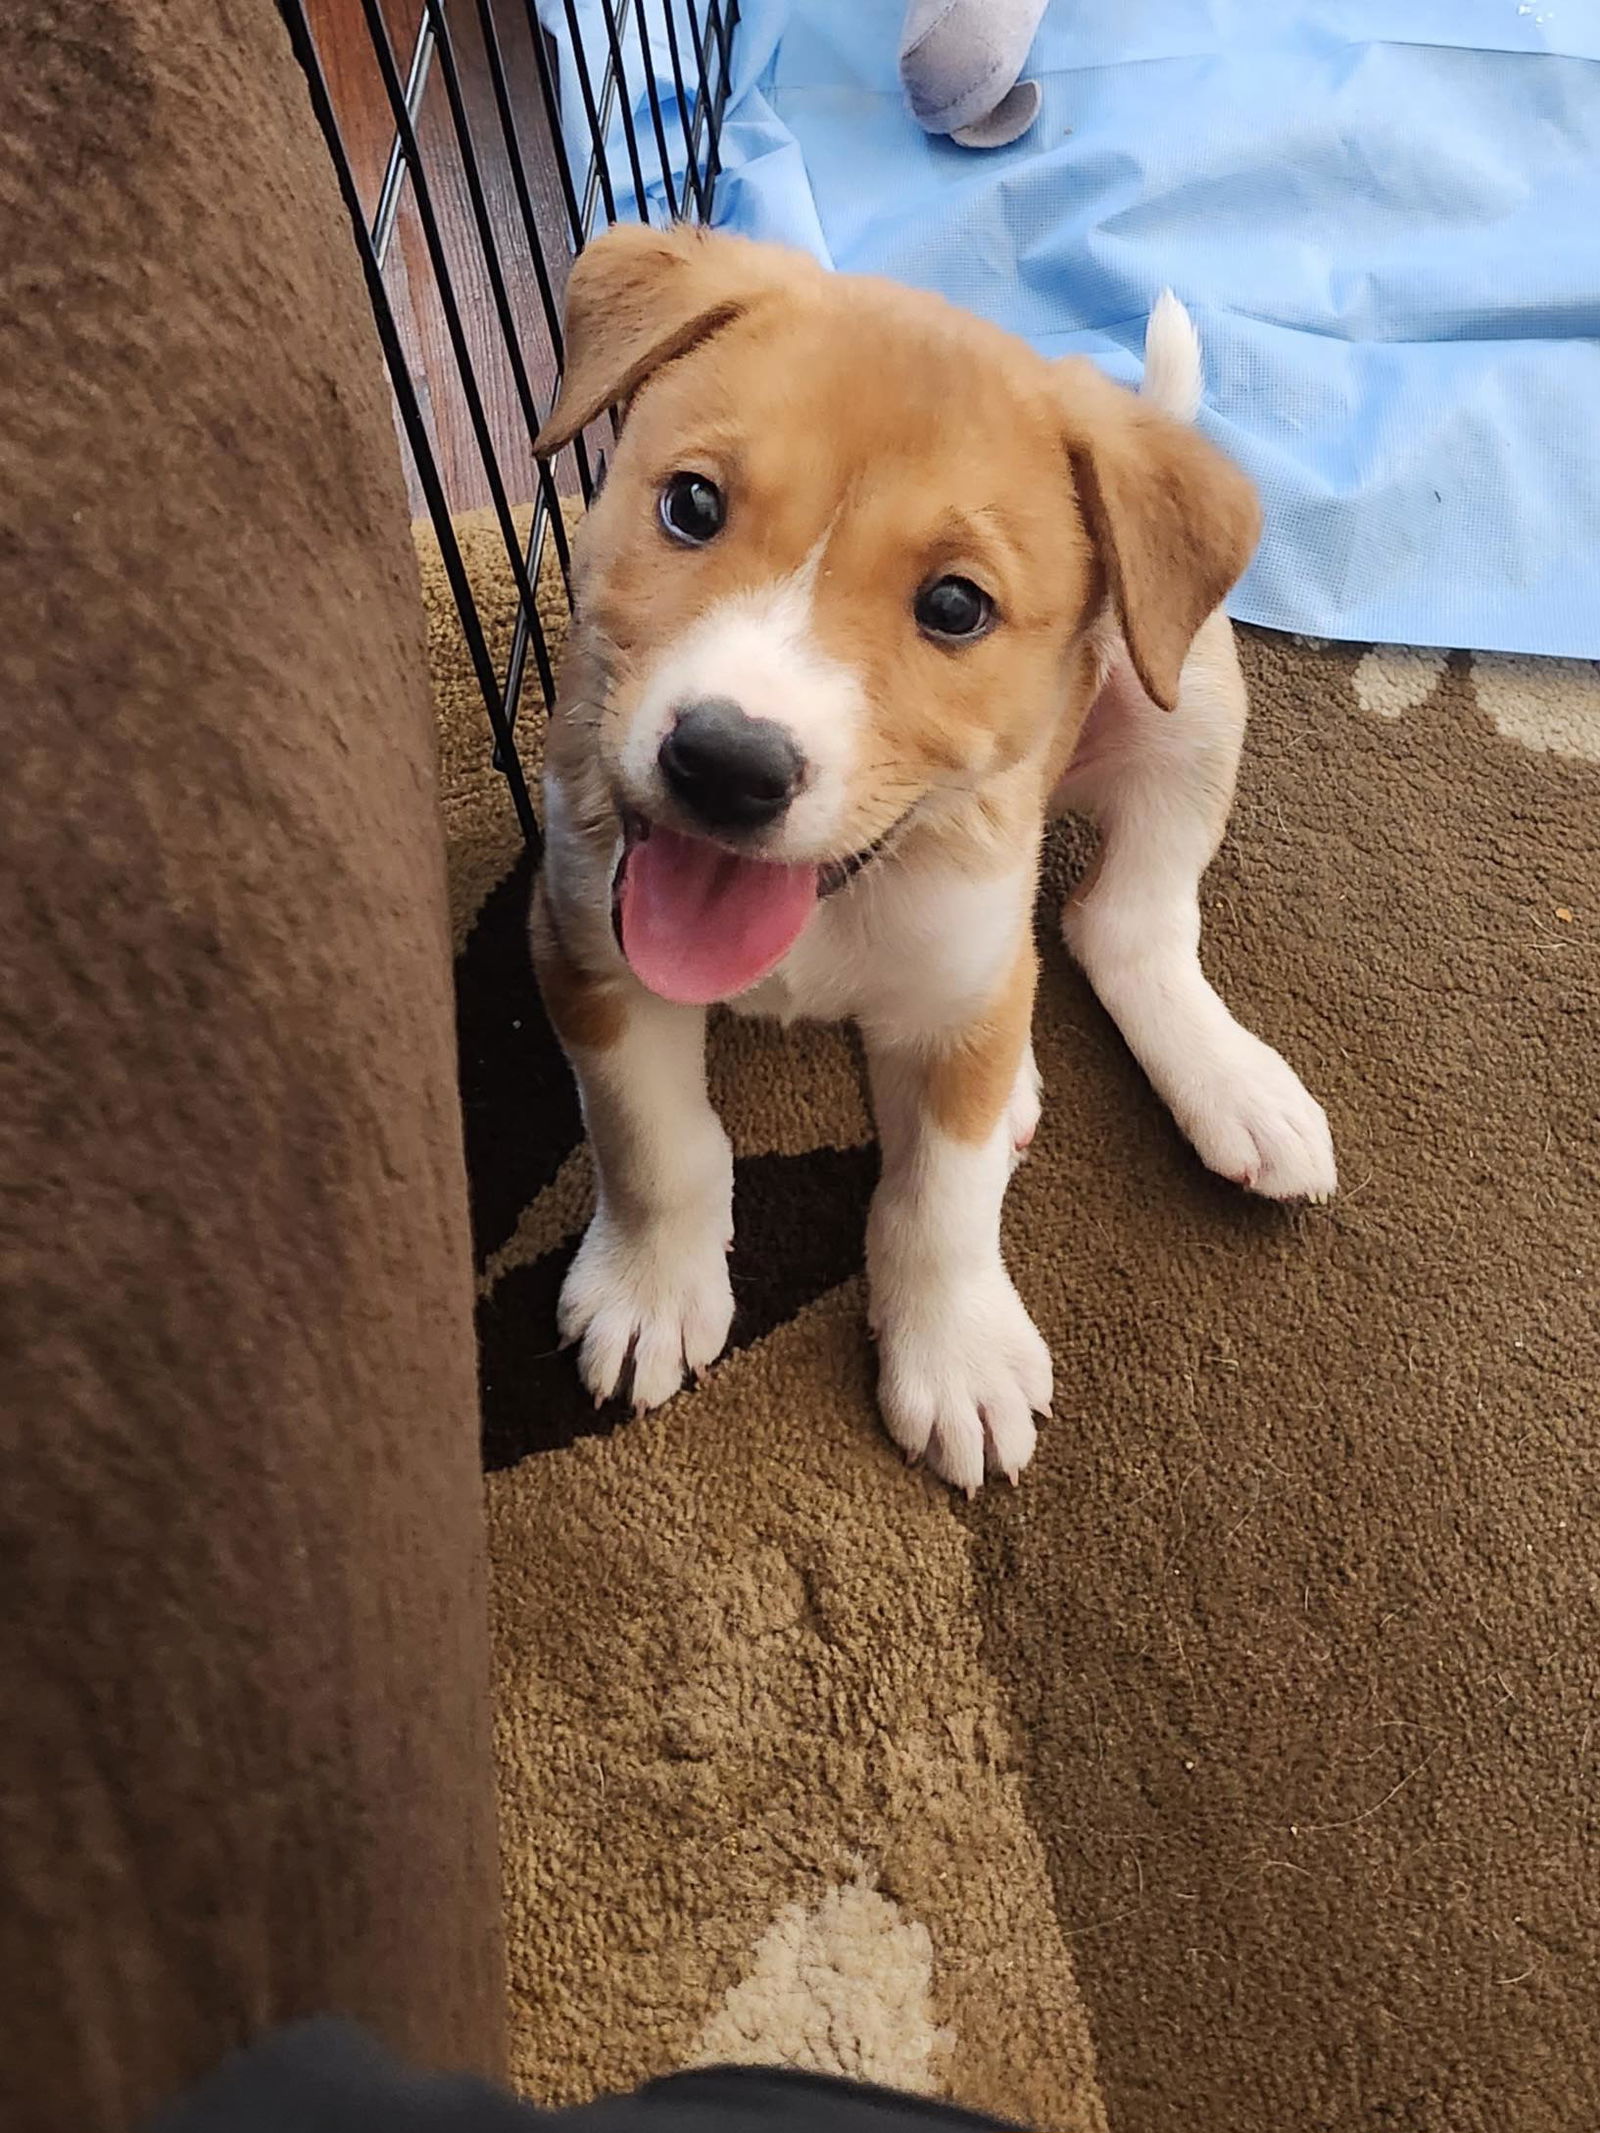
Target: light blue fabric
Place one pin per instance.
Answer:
(1384, 215)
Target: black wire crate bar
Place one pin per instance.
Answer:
(479, 145)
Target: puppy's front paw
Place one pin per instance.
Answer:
(1253, 1120)
(659, 1296)
(961, 1375)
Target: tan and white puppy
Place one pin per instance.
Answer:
(871, 589)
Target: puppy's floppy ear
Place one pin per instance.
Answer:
(640, 296)
(1174, 521)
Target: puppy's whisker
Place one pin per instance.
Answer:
(580, 711)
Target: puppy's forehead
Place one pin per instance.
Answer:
(851, 386)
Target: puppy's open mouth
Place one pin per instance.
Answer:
(698, 923)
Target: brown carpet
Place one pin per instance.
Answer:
(1238, 1770)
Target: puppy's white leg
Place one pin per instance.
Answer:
(1159, 785)
(962, 1368)
(650, 1280)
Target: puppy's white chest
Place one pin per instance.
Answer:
(822, 978)
(910, 950)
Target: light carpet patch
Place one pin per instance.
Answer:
(845, 1987)
(1550, 704)
(1393, 678)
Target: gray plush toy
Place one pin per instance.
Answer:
(961, 63)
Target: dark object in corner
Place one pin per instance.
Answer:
(327, 2077)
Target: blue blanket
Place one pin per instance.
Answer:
(1384, 215)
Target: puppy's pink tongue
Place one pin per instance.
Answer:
(698, 924)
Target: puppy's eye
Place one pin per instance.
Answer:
(692, 509)
(954, 609)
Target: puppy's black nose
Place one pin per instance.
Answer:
(728, 771)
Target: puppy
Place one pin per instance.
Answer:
(870, 590)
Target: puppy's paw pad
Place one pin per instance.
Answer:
(659, 1299)
(961, 1378)
(1256, 1123)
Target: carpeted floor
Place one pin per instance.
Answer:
(1239, 1769)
